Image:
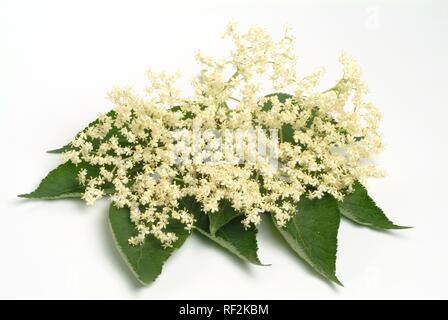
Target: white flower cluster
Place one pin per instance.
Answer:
(326, 139)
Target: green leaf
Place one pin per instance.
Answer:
(313, 115)
(60, 150)
(146, 261)
(95, 142)
(190, 204)
(186, 115)
(231, 235)
(287, 132)
(68, 147)
(60, 183)
(360, 208)
(282, 97)
(312, 234)
(222, 217)
(237, 240)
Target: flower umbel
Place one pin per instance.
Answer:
(326, 139)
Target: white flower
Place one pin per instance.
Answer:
(334, 132)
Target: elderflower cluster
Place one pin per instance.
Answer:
(325, 139)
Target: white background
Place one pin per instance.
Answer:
(58, 59)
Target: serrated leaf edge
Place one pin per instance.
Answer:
(306, 256)
(226, 246)
(125, 257)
